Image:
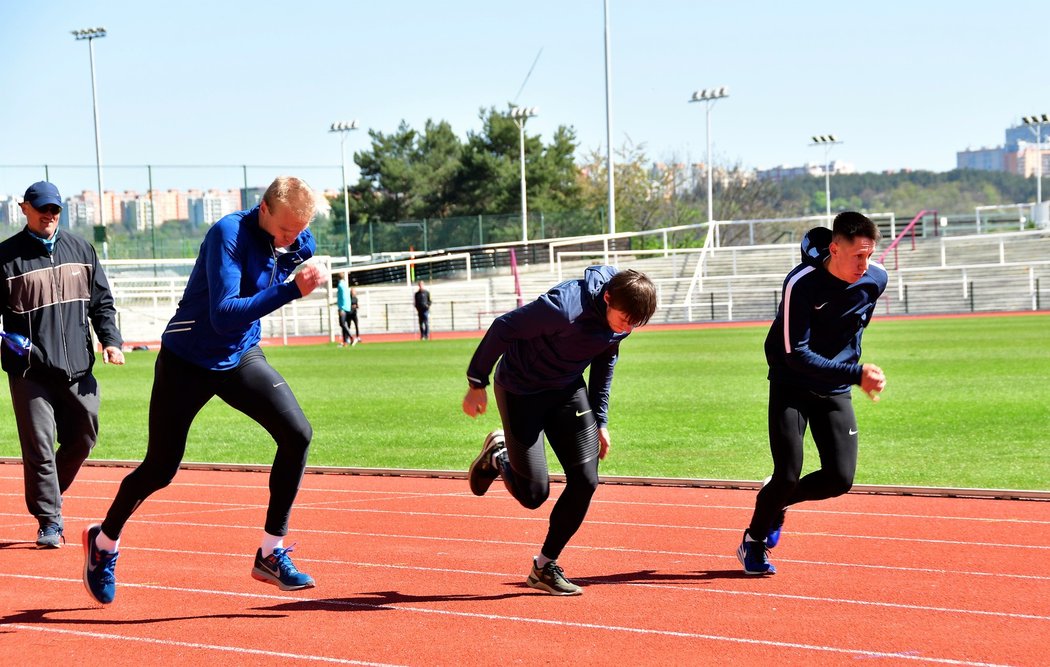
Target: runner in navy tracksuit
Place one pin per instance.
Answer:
(211, 348)
(813, 351)
(539, 389)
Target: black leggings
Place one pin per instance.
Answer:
(180, 390)
(833, 426)
(565, 416)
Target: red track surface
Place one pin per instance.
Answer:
(415, 571)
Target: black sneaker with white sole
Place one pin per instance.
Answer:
(482, 471)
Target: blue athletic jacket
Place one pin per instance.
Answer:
(238, 278)
(814, 342)
(548, 343)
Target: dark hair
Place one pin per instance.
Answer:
(633, 293)
(850, 224)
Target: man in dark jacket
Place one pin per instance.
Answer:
(813, 352)
(51, 288)
(422, 301)
(545, 347)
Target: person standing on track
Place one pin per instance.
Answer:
(52, 290)
(211, 348)
(539, 388)
(813, 352)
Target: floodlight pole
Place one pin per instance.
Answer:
(608, 126)
(344, 129)
(1035, 124)
(827, 141)
(708, 96)
(520, 115)
(91, 34)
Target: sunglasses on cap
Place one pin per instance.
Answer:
(53, 209)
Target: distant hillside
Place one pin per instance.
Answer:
(952, 192)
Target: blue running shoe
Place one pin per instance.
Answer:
(99, 579)
(754, 556)
(773, 536)
(279, 570)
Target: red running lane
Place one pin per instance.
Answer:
(416, 571)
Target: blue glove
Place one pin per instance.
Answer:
(17, 343)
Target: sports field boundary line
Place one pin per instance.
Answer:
(626, 480)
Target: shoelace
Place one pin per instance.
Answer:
(759, 552)
(553, 570)
(284, 562)
(106, 563)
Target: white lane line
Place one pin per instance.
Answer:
(206, 647)
(680, 587)
(597, 501)
(862, 653)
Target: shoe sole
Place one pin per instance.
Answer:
(86, 541)
(532, 582)
(267, 578)
(48, 545)
(480, 483)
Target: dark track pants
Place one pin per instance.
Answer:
(180, 390)
(833, 426)
(565, 416)
(47, 411)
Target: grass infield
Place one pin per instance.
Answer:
(967, 404)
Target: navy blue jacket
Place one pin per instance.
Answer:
(548, 343)
(238, 278)
(814, 342)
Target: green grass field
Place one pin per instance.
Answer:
(967, 404)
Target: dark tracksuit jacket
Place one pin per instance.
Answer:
(814, 342)
(548, 343)
(51, 298)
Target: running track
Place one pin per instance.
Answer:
(416, 571)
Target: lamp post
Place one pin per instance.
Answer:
(827, 141)
(344, 128)
(91, 34)
(1035, 124)
(520, 115)
(708, 97)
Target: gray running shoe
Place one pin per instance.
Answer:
(551, 578)
(49, 536)
(482, 472)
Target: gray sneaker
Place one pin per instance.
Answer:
(482, 473)
(551, 578)
(49, 536)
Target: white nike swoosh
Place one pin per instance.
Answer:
(580, 414)
(853, 431)
(820, 306)
(278, 385)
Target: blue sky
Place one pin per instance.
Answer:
(902, 84)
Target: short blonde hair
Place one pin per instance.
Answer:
(295, 194)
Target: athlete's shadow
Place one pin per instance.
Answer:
(43, 617)
(17, 545)
(652, 576)
(385, 601)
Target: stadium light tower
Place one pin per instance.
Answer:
(91, 34)
(344, 128)
(708, 97)
(1035, 124)
(520, 115)
(827, 141)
